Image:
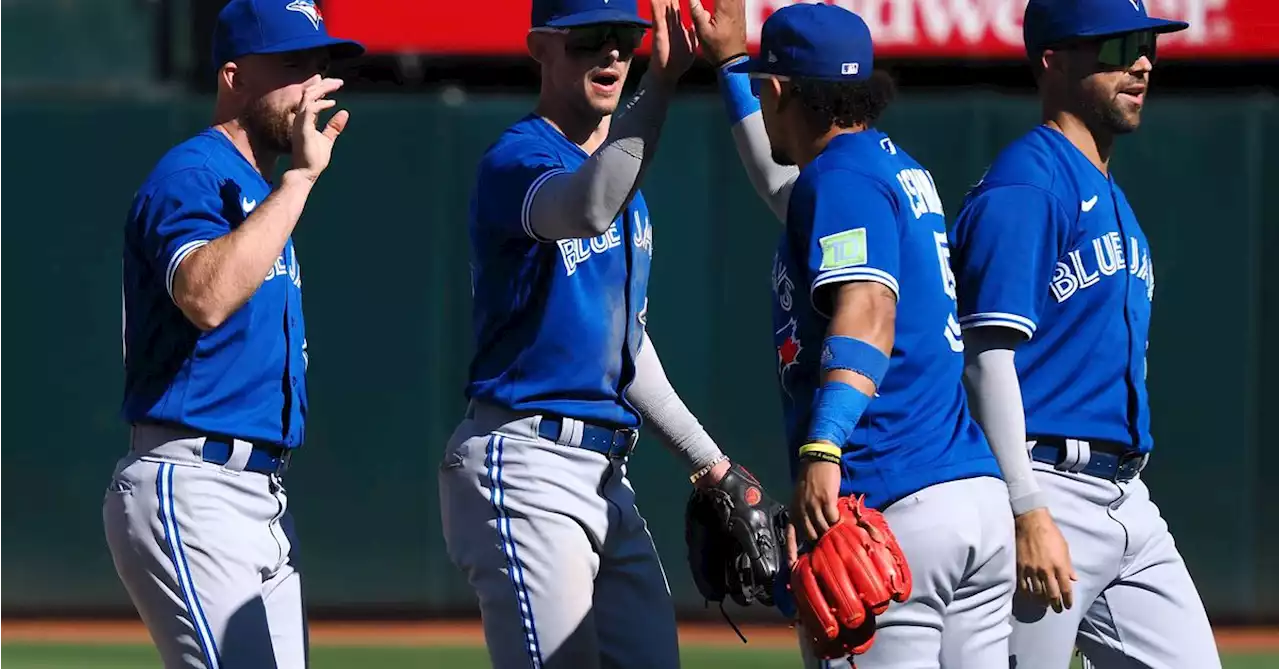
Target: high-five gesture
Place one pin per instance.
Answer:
(674, 45)
(312, 146)
(723, 31)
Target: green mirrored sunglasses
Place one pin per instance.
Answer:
(1125, 50)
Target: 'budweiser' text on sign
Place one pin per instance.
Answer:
(901, 28)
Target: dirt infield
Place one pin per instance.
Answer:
(467, 633)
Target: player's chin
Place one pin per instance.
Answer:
(1125, 121)
(603, 105)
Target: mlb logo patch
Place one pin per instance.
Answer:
(848, 68)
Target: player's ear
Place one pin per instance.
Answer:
(779, 93)
(227, 77)
(537, 44)
(1050, 60)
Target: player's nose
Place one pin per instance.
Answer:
(1141, 66)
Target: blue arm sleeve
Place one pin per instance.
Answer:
(182, 213)
(508, 179)
(735, 91)
(855, 233)
(1005, 245)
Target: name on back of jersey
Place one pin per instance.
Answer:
(1098, 259)
(921, 192)
(574, 252)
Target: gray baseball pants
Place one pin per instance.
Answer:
(549, 536)
(1135, 605)
(958, 541)
(205, 553)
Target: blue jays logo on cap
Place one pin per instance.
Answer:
(274, 26)
(1049, 23)
(813, 41)
(308, 9)
(574, 13)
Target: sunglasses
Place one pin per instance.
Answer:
(593, 39)
(1125, 50)
(755, 79)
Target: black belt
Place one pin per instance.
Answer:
(1108, 460)
(613, 444)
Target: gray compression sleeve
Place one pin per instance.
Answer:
(996, 398)
(584, 203)
(652, 395)
(772, 181)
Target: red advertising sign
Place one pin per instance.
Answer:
(901, 28)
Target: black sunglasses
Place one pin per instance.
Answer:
(756, 81)
(1125, 50)
(593, 39)
(1122, 51)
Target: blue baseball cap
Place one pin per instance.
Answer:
(1049, 23)
(274, 26)
(813, 41)
(574, 13)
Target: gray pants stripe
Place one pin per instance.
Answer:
(515, 568)
(186, 585)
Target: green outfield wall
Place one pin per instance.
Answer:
(383, 248)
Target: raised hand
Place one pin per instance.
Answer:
(674, 45)
(313, 146)
(722, 31)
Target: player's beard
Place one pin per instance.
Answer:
(1105, 110)
(1113, 117)
(781, 158)
(268, 127)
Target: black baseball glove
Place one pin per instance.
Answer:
(736, 537)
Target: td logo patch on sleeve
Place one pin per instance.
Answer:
(844, 249)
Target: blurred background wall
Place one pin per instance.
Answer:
(95, 91)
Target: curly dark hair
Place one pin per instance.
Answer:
(844, 104)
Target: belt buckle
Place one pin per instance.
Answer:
(1130, 463)
(632, 436)
(282, 462)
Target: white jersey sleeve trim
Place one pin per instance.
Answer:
(178, 256)
(1013, 321)
(855, 274)
(526, 220)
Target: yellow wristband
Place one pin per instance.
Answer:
(819, 447)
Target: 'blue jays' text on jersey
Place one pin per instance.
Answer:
(1047, 245)
(557, 324)
(865, 211)
(247, 377)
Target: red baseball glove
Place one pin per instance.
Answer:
(849, 578)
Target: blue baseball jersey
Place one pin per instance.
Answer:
(864, 210)
(246, 378)
(556, 324)
(1046, 244)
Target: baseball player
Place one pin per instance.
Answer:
(868, 348)
(535, 502)
(215, 352)
(1052, 264)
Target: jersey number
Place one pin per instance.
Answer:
(952, 331)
